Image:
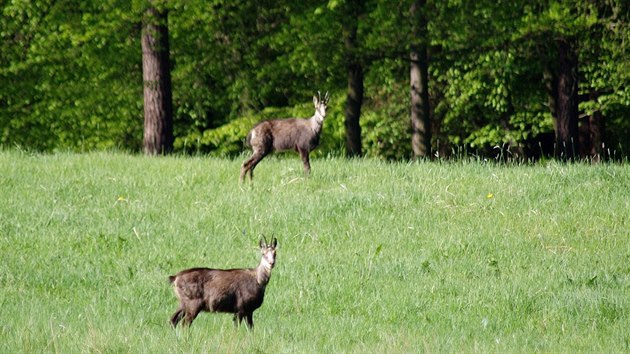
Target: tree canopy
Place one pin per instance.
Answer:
(71, 72)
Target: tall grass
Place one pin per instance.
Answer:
(373, 256)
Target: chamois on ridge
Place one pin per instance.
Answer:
(237, 291)
(300, 134)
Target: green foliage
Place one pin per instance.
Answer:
(385, 120)
(386, 136)
(71, 71)
(229, 139)
(373, 257)
(226, 140)
(490, 77)
(66, 76)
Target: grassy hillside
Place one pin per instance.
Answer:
(373, 256)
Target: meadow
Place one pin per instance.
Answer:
(372, 257)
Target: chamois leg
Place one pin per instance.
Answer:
(192, 310)
(305, 159)
(249, 319)
(255, 160)
(246, 166)
(238, 318)
(250, 164)
(177, 316)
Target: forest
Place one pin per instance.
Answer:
(408, 79)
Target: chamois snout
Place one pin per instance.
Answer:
(270, 257)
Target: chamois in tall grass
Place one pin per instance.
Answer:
(301, 135)
(237, 291)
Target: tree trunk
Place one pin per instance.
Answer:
(591, 130)
(354, 98)
(353, 110)
(419, 77)
(567, 135)
(596, 132)
(158, 106)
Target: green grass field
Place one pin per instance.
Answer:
(373, 256)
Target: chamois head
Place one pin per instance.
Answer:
(268, 252)
(320, 105)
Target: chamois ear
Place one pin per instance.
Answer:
(274, 242)
(262, 242)
(315, 100)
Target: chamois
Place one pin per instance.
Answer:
(237, 291)
(297, 134)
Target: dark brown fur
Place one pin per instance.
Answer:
(301, 135)
(237, 291)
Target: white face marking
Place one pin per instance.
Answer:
(269, 256)
(320, 110)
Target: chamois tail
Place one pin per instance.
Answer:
(171, 278)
